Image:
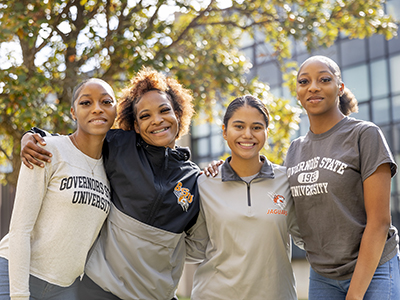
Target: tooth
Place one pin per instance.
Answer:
(161, 130)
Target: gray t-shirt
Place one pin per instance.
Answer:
(326, 173)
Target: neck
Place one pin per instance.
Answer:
(322, 123)
(91, 145)
(246, 167)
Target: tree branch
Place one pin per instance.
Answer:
(192, 24)
(149, 26)
(113, 66)
(235, 24)
(5, 153)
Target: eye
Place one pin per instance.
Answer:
(108, 101)
(326, 79)
(302, 81)
(84, 102)
(238, 126)
(258, 127)
(165, 109)
(143, 116)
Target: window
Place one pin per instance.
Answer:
(363, 112)
(270, 73)
(396, 109)
(381, 111)
(376, 45)
(249, 53)
(356, 79)
(353, 51)
(379, 78)
(207, 141)
(395, 74)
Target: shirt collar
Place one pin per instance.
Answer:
(228, 174)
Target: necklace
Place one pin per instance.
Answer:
(75, 142)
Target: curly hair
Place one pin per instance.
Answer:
(148, 79)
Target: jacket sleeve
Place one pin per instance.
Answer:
(42, 132)
(197, 240)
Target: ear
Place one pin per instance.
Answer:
(72, 110)
(341, 89)
(135, 124)
(224, 132)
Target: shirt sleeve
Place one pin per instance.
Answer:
(197, 240)
(293, 227)
(31, 189)
(374, 151)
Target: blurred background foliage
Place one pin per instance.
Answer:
(48, 46)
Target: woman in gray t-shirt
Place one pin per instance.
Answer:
(340, 175)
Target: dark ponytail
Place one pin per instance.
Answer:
(348, 103)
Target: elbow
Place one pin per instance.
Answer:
(380, 225)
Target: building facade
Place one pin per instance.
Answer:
(370, 69)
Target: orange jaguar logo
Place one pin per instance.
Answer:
(279, 200)
(184, 196)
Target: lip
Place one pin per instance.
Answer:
(246, 145)
(315, 99)
(98, 121)
(160, 130)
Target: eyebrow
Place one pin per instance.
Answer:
(320, 72)
(161, 105)
(241, 122)
(88, 95)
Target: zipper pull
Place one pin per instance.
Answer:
(166, 158)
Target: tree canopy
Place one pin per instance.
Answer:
(60, 42)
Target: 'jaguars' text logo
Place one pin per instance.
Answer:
(184, 196)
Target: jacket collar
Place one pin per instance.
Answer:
(228, 174)
(179, 153)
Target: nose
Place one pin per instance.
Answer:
(97, 108)
(247, 133)
(314, 86)
(158, 119)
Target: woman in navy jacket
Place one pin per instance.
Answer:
(141, 249)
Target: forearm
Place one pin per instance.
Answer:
(31, 187)
(371, 248)
(19, 265)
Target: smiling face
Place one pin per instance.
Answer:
(155, 120)
(246, 133)
(94, 108)
(318, 89)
